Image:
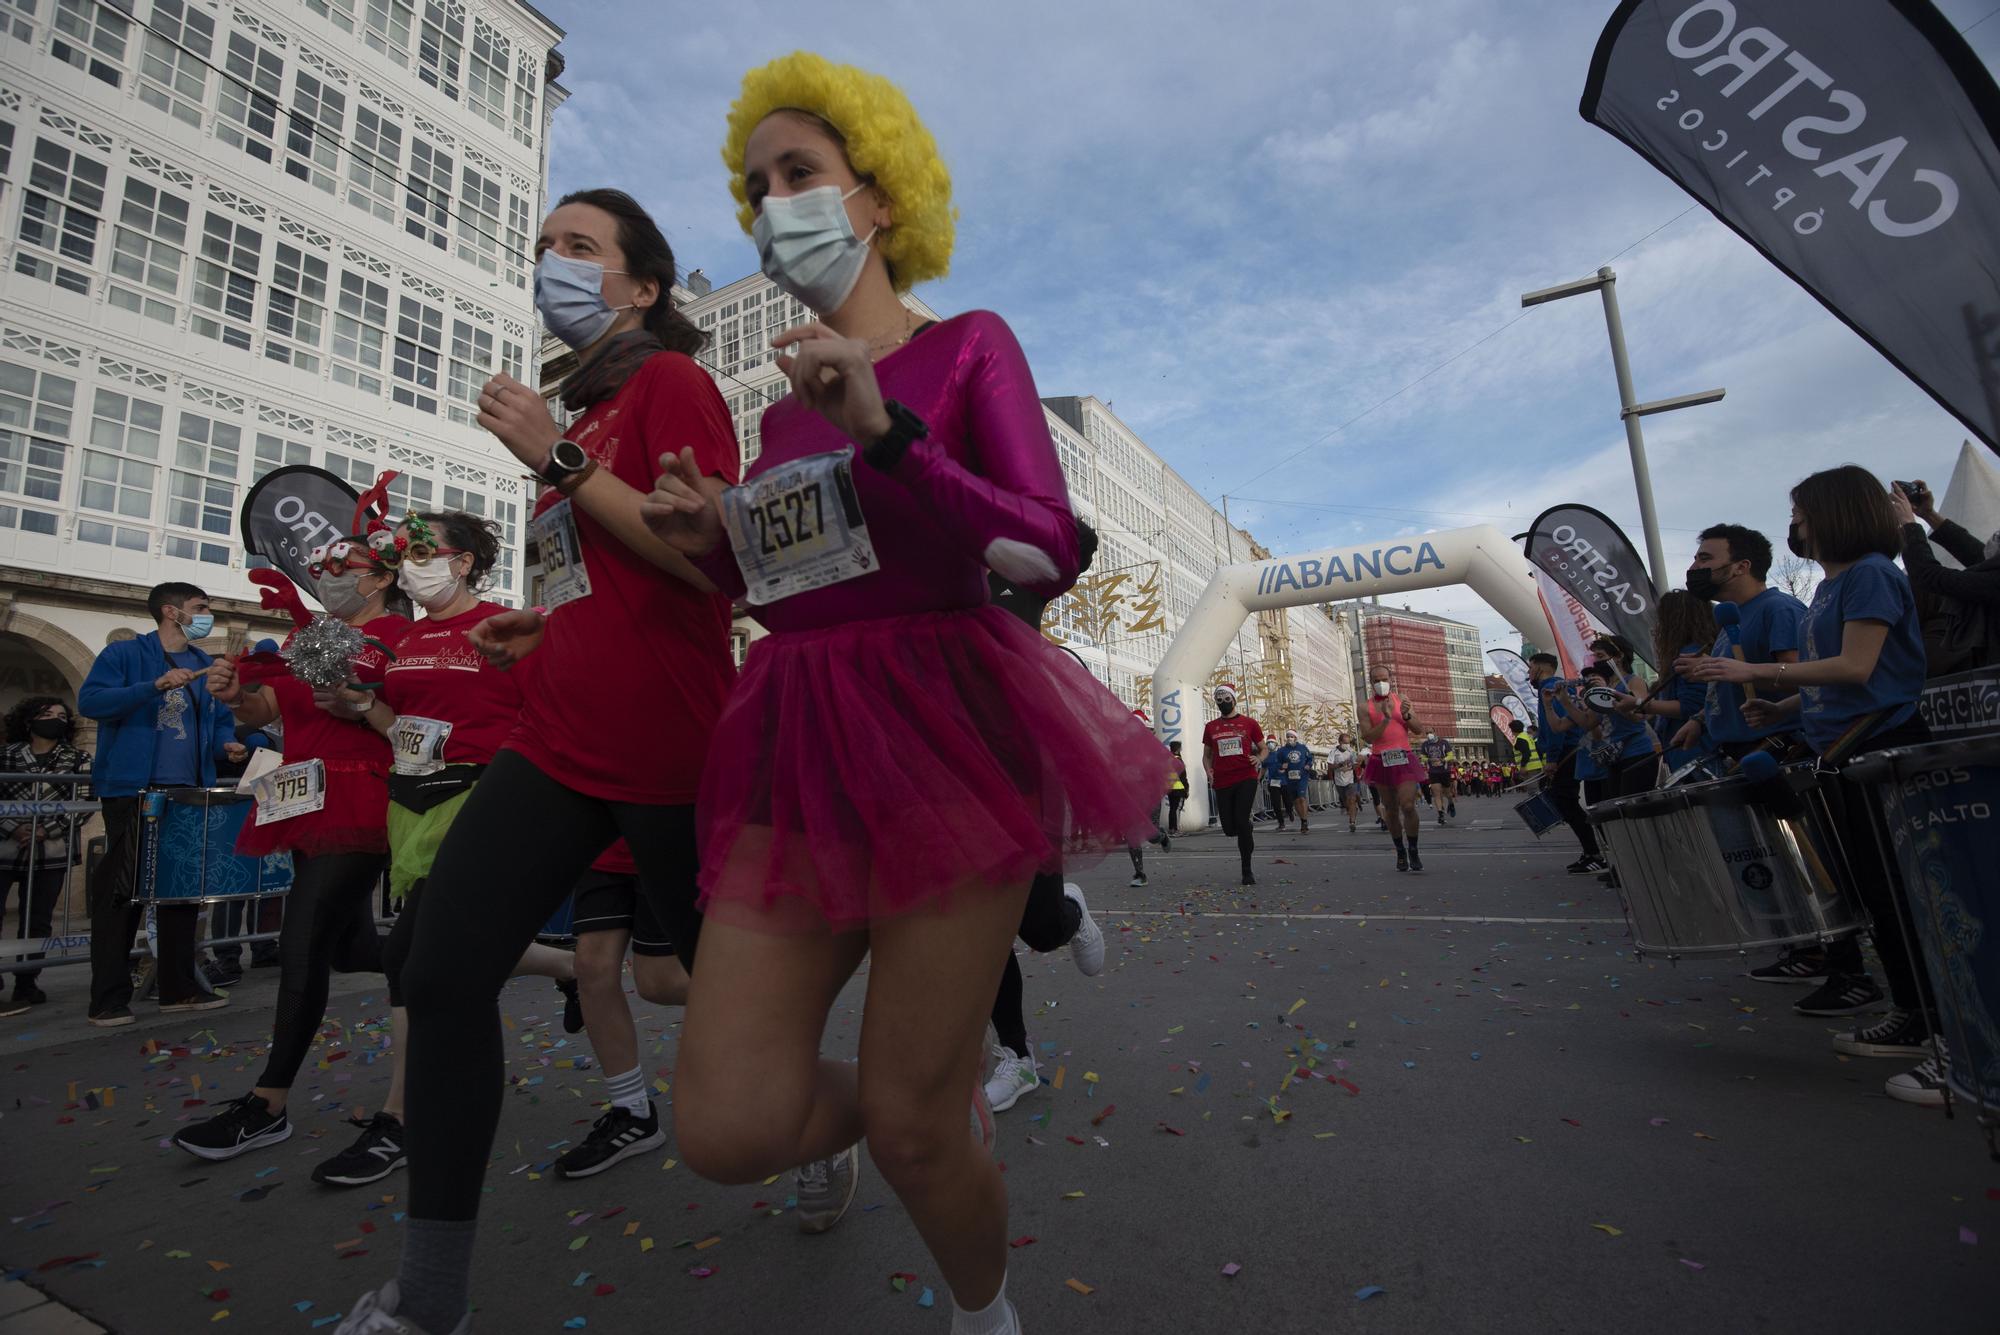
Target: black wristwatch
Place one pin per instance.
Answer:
(885, 452)
(566, 460)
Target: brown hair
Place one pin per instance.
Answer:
(478, 538)
(1847, 515)
(1615, 648)
(647, 255)
(1684, 619)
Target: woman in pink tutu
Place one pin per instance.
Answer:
(900, 757)
(1394, 768)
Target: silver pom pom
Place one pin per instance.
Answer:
(323, 651)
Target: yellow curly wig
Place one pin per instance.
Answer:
(885, 141)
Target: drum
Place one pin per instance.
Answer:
(1701, 767)
(1940, 802)
(1715, 869)
(187, 850)
(1539, 814)
(560, 929)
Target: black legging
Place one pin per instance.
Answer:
(1048, 922)
(1233, 808)
(1877, 880)
(1562, 786)
(512, 855)
(329, 924)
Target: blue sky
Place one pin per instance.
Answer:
(1244, 225)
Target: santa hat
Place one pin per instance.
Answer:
(1227, 688)
(1140, 714)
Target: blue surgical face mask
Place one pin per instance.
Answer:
(199, 626)
(806, 245)
(570, 295)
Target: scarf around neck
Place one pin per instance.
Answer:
(606, 373)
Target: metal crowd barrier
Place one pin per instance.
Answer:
(50, 883)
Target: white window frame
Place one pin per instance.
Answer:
(173, 70)
(226, 266)
(246, 100)
(65, 192)
(149, 251)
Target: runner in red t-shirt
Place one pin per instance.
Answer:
(1232, 751)
(444, 711)
(629, 669)
(1394, 765)
(326, 807)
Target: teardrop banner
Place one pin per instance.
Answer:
(1590, 559)
(1855, 144)
(291, 510)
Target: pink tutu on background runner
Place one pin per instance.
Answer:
(892, 765)
(1412, 770)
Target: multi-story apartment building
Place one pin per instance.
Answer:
(1434, 662)
(240, 235)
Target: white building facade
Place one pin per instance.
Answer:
(244, 235)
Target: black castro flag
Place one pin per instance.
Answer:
(1582, 550)
(1856, 143)
(292, 510)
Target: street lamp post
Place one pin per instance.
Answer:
(1605, 282)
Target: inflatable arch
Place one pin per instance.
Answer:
(1479, 558)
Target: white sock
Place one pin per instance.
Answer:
(996, 1318)
(628, 1091)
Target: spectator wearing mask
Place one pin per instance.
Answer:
(1625, 753)
(35, 854)
(1961, 633)
(157, 727)
(1729, 567)
(1857, 683)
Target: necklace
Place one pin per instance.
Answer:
(884, 344)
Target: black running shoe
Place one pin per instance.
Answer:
(1899, 1033)
(1249, 877)
(1402, 860)
(616, 1135)
(1794, 966)
(375, 1153)
(1589, 865)
(1842, 994)
(1416, 863)
(244, 1124)
(572, 1006)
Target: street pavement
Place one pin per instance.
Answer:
(1344, 1100)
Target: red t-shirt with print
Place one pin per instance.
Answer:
(1235, 739)
(631, 676)
(437, 674)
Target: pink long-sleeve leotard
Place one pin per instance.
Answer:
(988, 470)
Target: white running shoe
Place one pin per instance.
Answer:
(1087, 946)
(826, 1188)
(1013, 1077)
(375, 1314)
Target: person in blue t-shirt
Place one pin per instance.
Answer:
(1621, 755)
(1295, 767)
(1729, 567)
(1275, 797)
(1556, 734)
(1685, 627)
(1857, 686)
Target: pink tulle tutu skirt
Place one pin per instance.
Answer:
(891, 766)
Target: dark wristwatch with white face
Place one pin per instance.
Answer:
(566, 460)
(885, 452)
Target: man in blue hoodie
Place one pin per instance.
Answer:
(157, 727)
